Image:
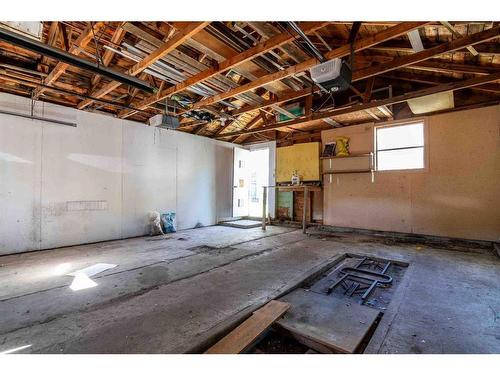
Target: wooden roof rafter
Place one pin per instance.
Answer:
(209, 53)
(343, 51)
(376, 103)
(82, 41)
(171, 44)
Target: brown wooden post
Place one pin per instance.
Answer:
(264, 206)
(304, 213)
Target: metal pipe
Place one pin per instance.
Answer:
(73, 124)
(72, 93)
(68, 58)
(310, 44)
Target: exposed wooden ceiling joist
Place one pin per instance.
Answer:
(415, 58)
(82, 41)
(174, 42)
(436, 80)
(250, 53)
(343, 51)
(117, 38)
(397, 63)
(373, 104)
(225, 65)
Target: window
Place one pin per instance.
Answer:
(400, 147)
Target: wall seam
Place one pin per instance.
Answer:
(121, 184)
(41, 187)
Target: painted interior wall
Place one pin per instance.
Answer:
(302, 158)
(61, 185)
(457, 195)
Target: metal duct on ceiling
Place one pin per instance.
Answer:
(68, 58)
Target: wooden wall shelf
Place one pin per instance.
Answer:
(360, 163)
(353, 171)
(347, 157)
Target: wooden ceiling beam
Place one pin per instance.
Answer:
(108, 54)
(447, 67)
(63, 36)
(289, 95)
(401, 62)
(82, 41)
(368, 89)
(456, 34)
(436, 80)
(316, 133)
(490, 48)
(251, 53)
(426, 54)
(51, 37)
(260, 119)
(367, 42)
(373, 104)
(179, 38)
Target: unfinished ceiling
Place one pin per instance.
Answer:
(232, 80)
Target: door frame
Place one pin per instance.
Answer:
(271, 193)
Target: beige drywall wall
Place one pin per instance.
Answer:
(457, 195)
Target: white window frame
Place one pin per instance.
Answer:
(394, 124)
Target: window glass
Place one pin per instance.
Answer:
(400, 136)
(400, 147)
(410, 158)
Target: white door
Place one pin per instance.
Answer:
(258, 167)
(240, 182)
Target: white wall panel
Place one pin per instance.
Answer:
(149, 174)
(81, 164)
(62, 185)
(20, 150)
(196, 198)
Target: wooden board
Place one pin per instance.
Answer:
(241, 224)
(298, 188)
(302, 157)
(250, 330)
(298, 206)
(285, 205)
(325, 323)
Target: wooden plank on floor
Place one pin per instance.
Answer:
(325, 323)
(250, 330)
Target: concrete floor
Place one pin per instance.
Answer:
(171, 294)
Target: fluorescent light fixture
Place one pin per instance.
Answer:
(415, 41)
(458, 35)
(331, 122)
(432, 103)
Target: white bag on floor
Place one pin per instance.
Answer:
(154, 224)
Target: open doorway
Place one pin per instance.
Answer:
(251, 173)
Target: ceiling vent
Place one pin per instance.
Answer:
(164, 121)
(432, 103)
